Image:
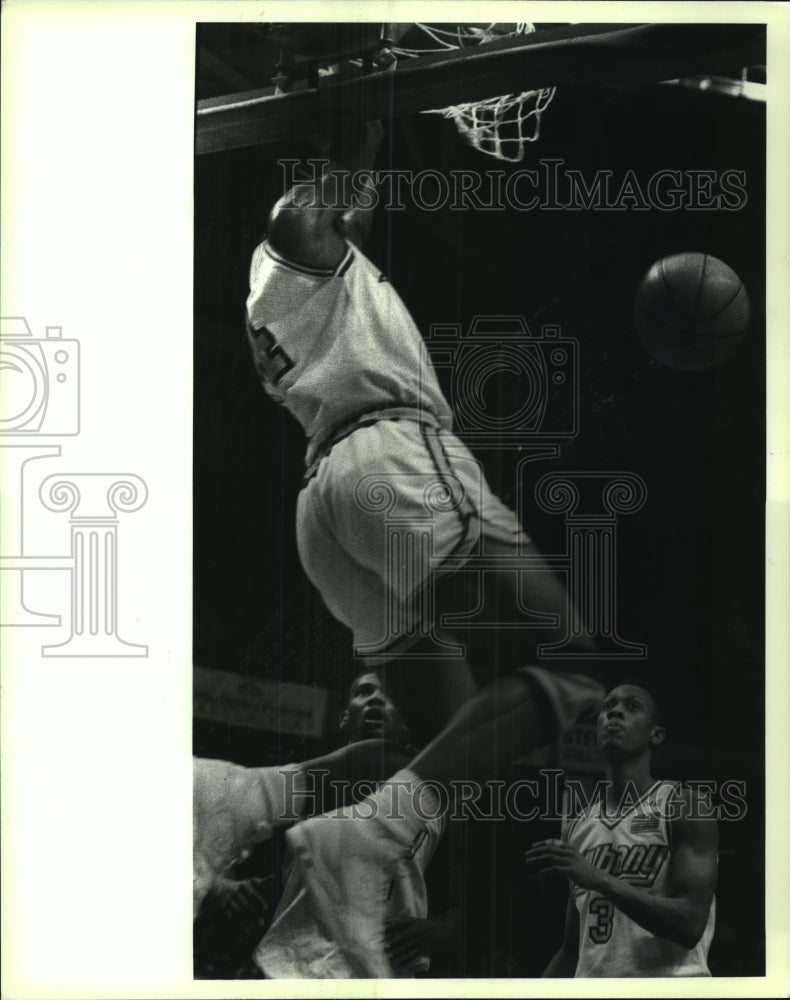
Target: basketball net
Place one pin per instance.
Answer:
(499, 126)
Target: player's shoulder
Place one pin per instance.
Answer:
(666, 792)
(270, 266)
(671, 799)
(305, 233)
(688, 798)
(691, 815)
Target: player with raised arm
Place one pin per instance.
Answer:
(641, 863)
(235, 807)
(347, 876)
(333, 342)
(311, 935)
(358, 869)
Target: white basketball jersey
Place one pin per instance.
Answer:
(351, 870)
(233, 808)
(635, 846)
(334, 345)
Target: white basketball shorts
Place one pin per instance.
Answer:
(382, 514)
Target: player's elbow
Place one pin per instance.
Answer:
(690, 929)
(291, 226)
(305, 234)
(688, 938)
(562, 965)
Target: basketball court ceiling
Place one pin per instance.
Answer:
(238, 65)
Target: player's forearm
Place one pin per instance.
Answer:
(316, 215)
(367, 760)
(677, 919)
(347, 180)
(355, 151)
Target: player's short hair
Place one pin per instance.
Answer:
(357, 674)
(656, 691)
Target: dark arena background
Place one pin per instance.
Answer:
(690, 562)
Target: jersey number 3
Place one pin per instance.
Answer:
(603, 911)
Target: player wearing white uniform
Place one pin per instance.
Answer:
(334, 344)
(353, 871)
(637, 847)
(356, 868)
(234, 807)
(641, 863)
(341, 352)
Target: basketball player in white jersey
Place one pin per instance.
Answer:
(235, 807)
(355, 885)
(357, 867)
(641, 862)
(335, 345)
(345, 878)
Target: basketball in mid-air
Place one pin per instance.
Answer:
(691, 311)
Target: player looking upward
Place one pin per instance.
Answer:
(315, 932)
(641, 864)
(370, 713)
(353, 871)
(358, 866)
(335, 345)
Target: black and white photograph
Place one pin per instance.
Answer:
(479, 509)
(394, 480)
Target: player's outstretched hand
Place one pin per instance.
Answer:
(557, 856)
(244, 900)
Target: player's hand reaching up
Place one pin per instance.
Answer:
(348, 147)
(548, 856)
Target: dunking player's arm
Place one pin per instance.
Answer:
(680, 914)
(310, 223)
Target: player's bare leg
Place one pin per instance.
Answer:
(433, 688)
(503, 721)
(430, 689)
